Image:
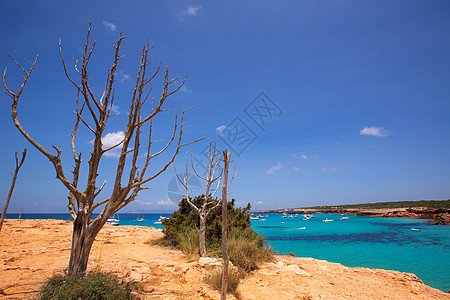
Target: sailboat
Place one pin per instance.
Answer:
(140, 219)
(161, 218)
(114, 221)
(159, 222)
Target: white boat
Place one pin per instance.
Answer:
(159, 222)
(344, 218)
(302, 228)
(284, 215)
(113, 221)
(415, 229)
(307, 217)
(327, 220)
(141, 219)
(258, 217)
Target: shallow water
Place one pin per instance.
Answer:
(383, 243)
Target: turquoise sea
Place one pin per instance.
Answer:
(383, 243)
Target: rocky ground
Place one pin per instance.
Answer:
(32, 250)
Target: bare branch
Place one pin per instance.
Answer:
(112, 147)
(13, 183)
(195, 171)
(232, 178)
(64, 66)
(56, 160)
(185, 183)
(100, 189)
(179, 146)
(95, 205)
(25, 71)
(217, 188)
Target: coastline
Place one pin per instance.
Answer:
(439, 216)
(32, 250)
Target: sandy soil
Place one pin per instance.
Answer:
(32, 250)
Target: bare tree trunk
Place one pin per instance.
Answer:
(13, 183)
(201, 236)
(83, 237)
(226, 160)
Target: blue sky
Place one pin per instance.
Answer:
(338, 101)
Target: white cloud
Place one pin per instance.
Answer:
(241, 203)
(259, 202)
(375, 131)
(192, 10)
(115, 109)
(296, 169)
(144, 203)
(220, 129)
(185, 89)
(189, 11)
(110, 26)
(123, 76)
(167, 202)
(333, 170)
(112, 139)
(303, 155)
(274, 169)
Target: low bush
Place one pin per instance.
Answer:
(247, 249)
(188, 241)
(94, 285)
(214, 278)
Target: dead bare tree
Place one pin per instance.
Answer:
(13, 183)
(226, 164)
(209, 203)
(94, 113)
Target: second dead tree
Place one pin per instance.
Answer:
(13, 183)
(209, 203)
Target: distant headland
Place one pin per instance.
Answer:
(438, 211)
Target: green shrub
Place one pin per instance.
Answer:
(214, 278)
(94, 285)
(185, 217)
(247, 249)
